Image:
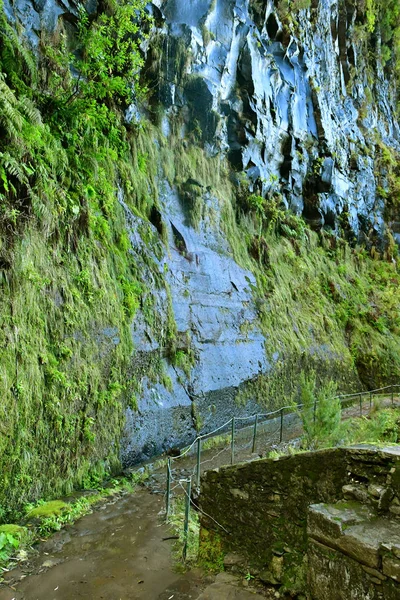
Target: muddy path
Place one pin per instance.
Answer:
(115, 553)
(119, 552)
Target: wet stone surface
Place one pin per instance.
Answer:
(116, 553)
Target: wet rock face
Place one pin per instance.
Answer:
(38, 16)
(215, 318)
(278, 104)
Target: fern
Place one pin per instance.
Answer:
(16, 56)
(14, 168)
(30, 111)
(10, 116)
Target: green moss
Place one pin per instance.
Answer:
(387, 170)
(176, 520)
(294, 576)
(48, 509)
(17, 531)
(211, 551)
(340, 318)
(69, 284)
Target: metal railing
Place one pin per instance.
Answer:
(347, 400)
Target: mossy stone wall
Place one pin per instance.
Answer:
(263, 505)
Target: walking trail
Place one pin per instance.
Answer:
(119, 552)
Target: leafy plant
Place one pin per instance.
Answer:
(8, 544)
(382, 426)
(320, 412)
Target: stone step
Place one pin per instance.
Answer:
(228, 587)
(357, 531)
(379, 496)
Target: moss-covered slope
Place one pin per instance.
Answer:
(73, 283)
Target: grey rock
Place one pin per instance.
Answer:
(212, 304)
(296, 94)
(232, 559)
(354, 530)
(391, 567)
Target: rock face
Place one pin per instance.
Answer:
(285, 105)
(212, 304)
(288, 106)
(288, 520)
(286, 110)
(277, 106)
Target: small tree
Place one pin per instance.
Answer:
(328, 415)
(307, 403)
(321, 412)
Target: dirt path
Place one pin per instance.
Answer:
(116, 553)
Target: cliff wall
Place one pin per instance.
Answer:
(179, 254)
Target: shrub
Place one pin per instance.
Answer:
(321, 412)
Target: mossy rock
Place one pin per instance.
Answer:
(48, 509)
(17, 531)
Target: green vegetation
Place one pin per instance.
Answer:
(320, 412)
(184, 361)
(216, 441)
(323, 305)
(323, 427)
(382, 18)
(15, 530)
(204, 548)
(211, 553)
(381, 427)
(387, 163)
(48, 509)
(69, 285)
(8, 544)
(47, 517)
(287, 8)
(176, 520)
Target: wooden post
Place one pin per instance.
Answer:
(198, 462)
(281, 431)
(168, 488)
(186, 524)
(233, 441)
(392, 394)
(254, 435)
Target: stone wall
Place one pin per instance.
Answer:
(325, 523)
